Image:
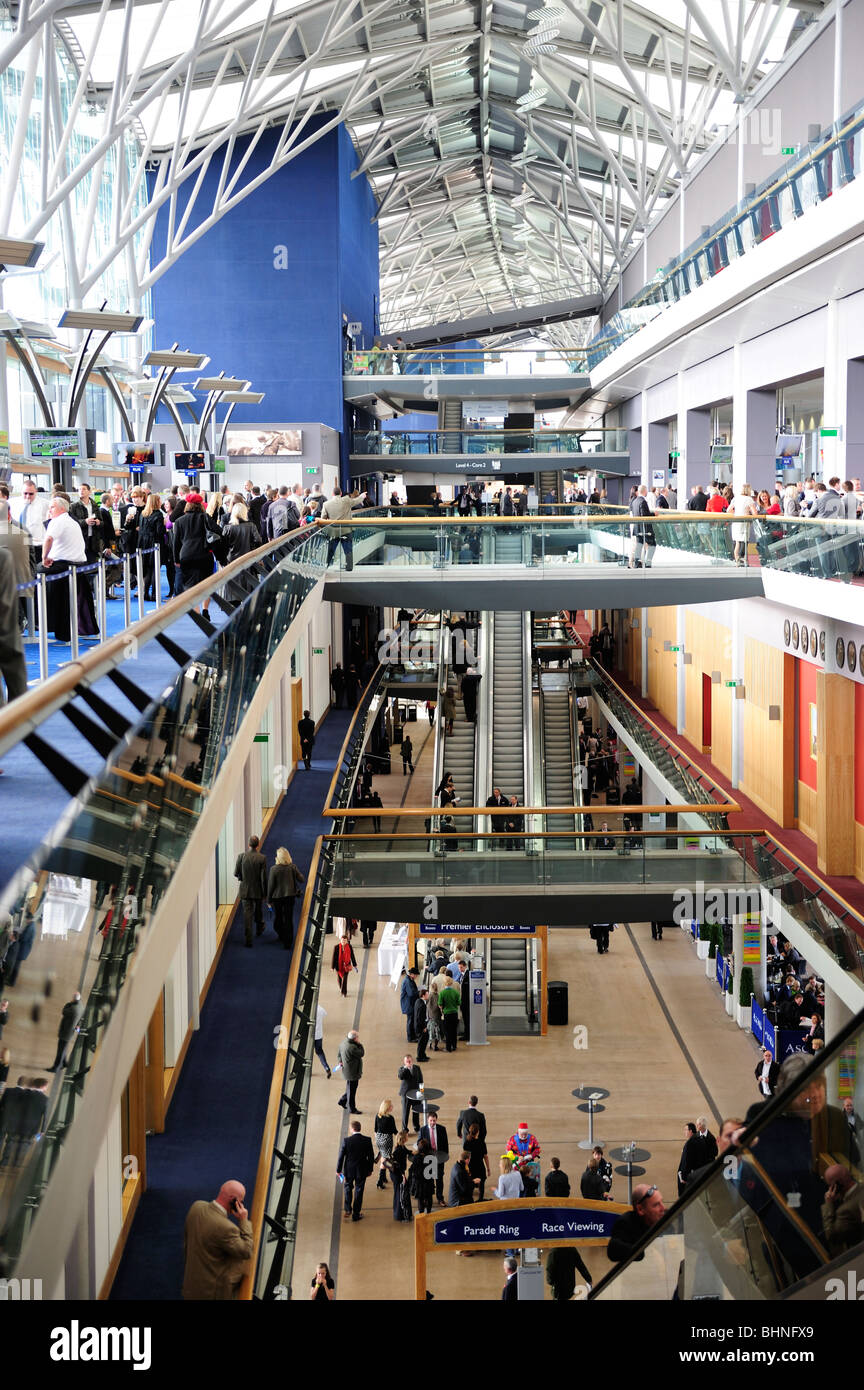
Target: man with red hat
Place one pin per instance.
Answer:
(526, 1148)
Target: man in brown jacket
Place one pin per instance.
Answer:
(217, 1252)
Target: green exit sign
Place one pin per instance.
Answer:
(730, 684)
(317, 651)
(788, 149)
(311, 470)
(832, 433)
(674, 454)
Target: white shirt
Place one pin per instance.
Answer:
(33, 516)
(320, 1016)
(67, 542)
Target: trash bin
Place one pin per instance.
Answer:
(557, 1000)
(412, 714)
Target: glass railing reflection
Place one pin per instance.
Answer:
(777, 1214)
(399, 443)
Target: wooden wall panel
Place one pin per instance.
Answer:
(835, 808)
(859, 852)
(807, 810)
(763, 739)
(662, 669)
(710, 647)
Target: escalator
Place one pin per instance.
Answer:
(450, 422)
(550, 482)
(509, 715)
(557, 734)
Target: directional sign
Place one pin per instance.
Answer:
(483, 929)
(524, 1224)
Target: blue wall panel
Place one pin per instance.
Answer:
(280, 328)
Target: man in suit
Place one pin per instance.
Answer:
(471, 1116)
(766, 1073)
(647, 1210)
(306, 731)
(410, 1078)
(216, 1251)
(497, 822)
(407, 995)
(509, 1293)
(556, 1183)
(470, 689)
(351, 1054)
(842, 1210)
(436, 1137)
(251, 869)
(355, 1163)
(70, 1018)
(698, 501)
(707, 1144)
(856, 1129)
(463, 984)
(421, 1025)
(12, 1108)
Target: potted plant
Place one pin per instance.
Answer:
(745, 998)
(703, 941)
(730, 997)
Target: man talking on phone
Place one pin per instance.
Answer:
(217, 1251)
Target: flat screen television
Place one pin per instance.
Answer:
(788, 446)
(138, 457)
(721, 453)
(193, 462)
(264, 442)
(45, 443)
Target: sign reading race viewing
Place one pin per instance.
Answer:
(526, 1225)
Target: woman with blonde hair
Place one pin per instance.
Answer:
(742, 504)
(283, 886)
(385, 1137)
(241, 537)
(151, 534)
(510, 1182)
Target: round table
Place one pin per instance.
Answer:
(591, 1096)
(428, 1093)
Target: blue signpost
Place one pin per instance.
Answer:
(526, 1225)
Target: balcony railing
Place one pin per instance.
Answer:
(477, 441)
(464, 361)
(807, 178)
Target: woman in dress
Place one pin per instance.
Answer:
(283, 886)
(433, 1014)
(322, 1285)
(343, 963)
(742, 504)
(478, 1160)
(398, 1165)
(385, 1136)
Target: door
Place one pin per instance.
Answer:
(706, 713)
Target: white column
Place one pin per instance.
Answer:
(737, 673)
(682, 212)
(653, 795)
(838, 61)
(680, 669)
(754, 430)
(4, 368)
(694, 446)
(737, 952)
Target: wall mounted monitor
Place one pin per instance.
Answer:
(138, 457)
(57, 443)
(219, 465)
(192, 462)
(265, 443)
(721, 453)
(788, 446)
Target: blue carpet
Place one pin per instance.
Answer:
(37, 799)
(216, 1119)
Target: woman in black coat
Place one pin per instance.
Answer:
(419, 1185)
(151, 535)
(398, 1166)
(192, 554)
(283, 886)
(242, 537)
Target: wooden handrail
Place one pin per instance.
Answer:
(274, 1101)
(361, 811)
(543, 835)
(832, 893)
(28, 708)
(622, 518)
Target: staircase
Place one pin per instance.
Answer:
(450, 421)
(508, 968)
(550, 482)
(557, 749)
(508, 719)
(508, 547)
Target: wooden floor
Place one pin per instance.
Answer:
(658, 1038)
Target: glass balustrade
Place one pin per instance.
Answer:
(774, 1216)
(805, 179)
(86, 898)
(594, 535)
(464, 361)
(400, 443)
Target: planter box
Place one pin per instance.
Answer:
(711, 968)
(742, 1017)
(730, 1004)
(702, 950)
